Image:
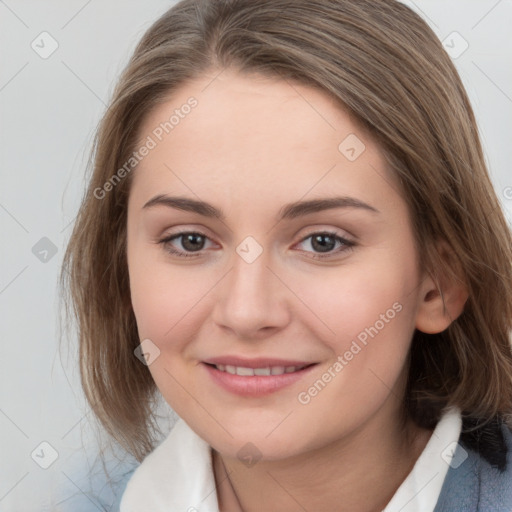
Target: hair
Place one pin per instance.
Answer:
(387, 69)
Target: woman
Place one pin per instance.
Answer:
(290, 233)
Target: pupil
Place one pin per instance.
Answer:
(190, 242)
(319, 243)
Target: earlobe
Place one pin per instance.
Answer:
(443, 302)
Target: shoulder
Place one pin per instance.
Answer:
(480, 476)
(495, 473)
(176, 475)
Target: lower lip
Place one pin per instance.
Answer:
(256, 385)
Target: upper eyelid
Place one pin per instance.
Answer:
(331, 232)
(316, 229)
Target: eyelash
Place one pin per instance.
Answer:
(348, 244)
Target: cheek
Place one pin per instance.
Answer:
(370, 314)
(168, 310)
(168, 300)
(350, 300)
(152, 299)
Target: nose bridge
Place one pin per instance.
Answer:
(250, 278)
(249, 298)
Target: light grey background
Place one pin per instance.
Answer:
(49, 108)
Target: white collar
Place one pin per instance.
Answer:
(420, 491)
(178, 475)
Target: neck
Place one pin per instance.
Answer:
(358, 473)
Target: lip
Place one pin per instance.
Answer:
(255, 385)
(259, 362)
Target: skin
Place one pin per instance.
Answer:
(252, 145)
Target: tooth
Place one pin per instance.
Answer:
(240, 370)
(277, 370)
(262, 371)
(248, 372)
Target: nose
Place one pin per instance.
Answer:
(251, 300)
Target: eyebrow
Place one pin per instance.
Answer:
(289, 211)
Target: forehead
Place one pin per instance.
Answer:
(251, 137)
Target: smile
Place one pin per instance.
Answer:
(257, 377)
(251, 372)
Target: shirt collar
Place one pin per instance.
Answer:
(178, 474)
(422, 487)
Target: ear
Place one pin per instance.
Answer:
(442, 302)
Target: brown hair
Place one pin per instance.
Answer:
(384, 66)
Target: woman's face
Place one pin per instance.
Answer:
(298, 252)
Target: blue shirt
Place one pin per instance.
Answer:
(477, 486)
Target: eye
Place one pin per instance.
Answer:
(324, 242)
(191, 242)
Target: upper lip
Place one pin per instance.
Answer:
(260, 362)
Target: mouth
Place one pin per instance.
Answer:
(257, 377)
(245, 371)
